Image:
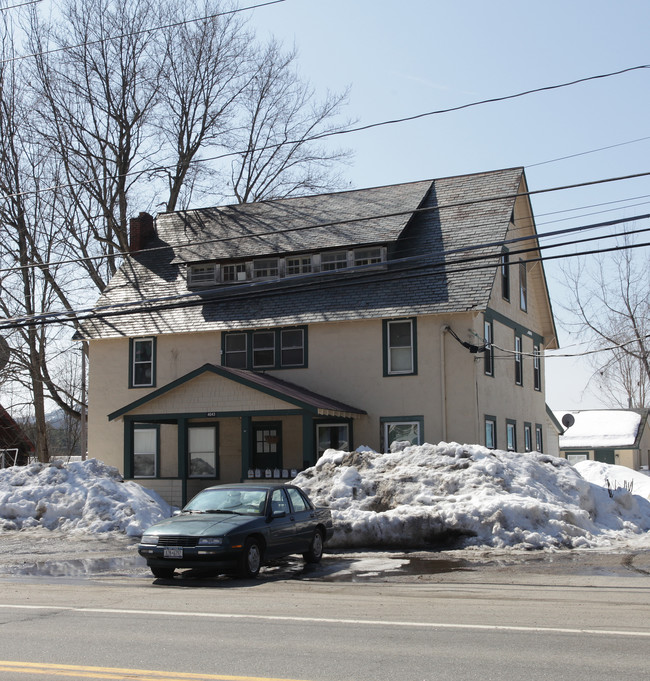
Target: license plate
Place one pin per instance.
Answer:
(173, 553)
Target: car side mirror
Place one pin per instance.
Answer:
(278, 514)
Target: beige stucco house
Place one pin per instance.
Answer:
(245, 340)
(614, 436)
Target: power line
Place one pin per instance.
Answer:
(338, 223)
(584, 153)
(101, 41)
(347, 131)
(287, 285)
(22, 4)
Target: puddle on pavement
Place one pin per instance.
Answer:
(336, 567)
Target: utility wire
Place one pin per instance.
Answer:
(338, 223)
(347, 131)
(265, 289)
(101, 41)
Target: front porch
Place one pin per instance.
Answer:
(240, 425)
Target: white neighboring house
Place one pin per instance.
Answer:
(612, 436)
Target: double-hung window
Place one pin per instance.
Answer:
(488, 356)
(143, 363)
(519, 361)
(265, 348)
(202, 275)
(231, 273)
(336, 260)
(298, 265)
(539, 444)
(145, 451)
(367, 256)
(401, 430)
(491, 432)
(267, 268)
(511, 435)
(235, 350)
(505, 275)
(537, 368)
(523, 286)
(400, 350)
(528, 437)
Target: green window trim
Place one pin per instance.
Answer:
(519, 360)
(511, 435)
(139, 361)
(265, 349)
(387, 421)
(130, 468)
(490, 430)
(390, 332)
(195, 426)
(488, 357)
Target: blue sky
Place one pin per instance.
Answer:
(401, 59)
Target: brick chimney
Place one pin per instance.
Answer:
(141, 230)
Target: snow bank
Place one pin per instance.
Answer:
(428, 495)
(86, 496)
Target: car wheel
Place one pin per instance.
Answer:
(315, 552)
(251, 559)
(162, 572)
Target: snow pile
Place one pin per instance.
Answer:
(615, 477)
(428, 495)
(86, 496)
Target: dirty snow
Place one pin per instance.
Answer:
(428, 494)
(417, 498)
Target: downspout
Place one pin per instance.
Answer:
(443, 383)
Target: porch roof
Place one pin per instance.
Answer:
(270, 385)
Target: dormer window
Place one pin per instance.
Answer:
(234, 272)
(266, 268)
(367, 256)
(300, 265)
(202, 275)
(336, 260)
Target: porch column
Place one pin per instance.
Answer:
(181, 456)
(308, 448)
(246, 429)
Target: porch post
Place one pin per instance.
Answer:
(246, 427)
(181, 456)
(308, 447)
(128, 448)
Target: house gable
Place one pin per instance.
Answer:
(211, 390)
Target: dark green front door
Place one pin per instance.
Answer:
(605, 456)
(267, 445)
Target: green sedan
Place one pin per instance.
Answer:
(236, 528)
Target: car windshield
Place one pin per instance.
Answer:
(228, 500)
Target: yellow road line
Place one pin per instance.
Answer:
(119, 673)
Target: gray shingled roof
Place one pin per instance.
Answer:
(420, 280)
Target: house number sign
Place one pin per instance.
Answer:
(210, 414)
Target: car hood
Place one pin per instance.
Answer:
(208, 524)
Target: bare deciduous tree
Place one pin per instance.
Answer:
(610, 308)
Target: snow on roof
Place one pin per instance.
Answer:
(600, 428)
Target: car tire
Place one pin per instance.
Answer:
(251, 559)
(315, 552)
(162, 572)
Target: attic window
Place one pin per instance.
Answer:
(300, 265)
(336, 260)
(202, 275)
(367, 256)
(234, 272)
(266, 268)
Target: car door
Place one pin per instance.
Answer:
(305, 519)
(282, 526)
